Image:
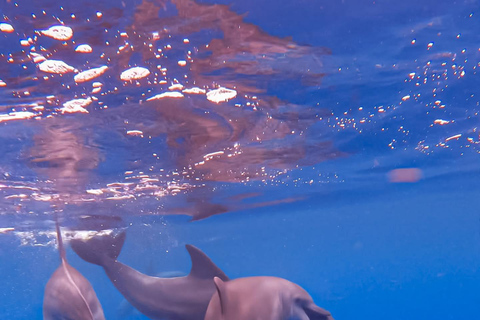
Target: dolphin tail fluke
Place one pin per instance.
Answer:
(314, 312)
(99, 249)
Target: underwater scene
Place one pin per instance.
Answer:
(240, 160)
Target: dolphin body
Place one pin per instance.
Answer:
(181, 298)
(126, 310)
(262, 298)
(68, 295)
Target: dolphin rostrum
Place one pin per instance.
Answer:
(68, 295)
(262, 298)
(182, 298)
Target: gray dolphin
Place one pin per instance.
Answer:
(68, 295)
(182, 298)
(125, 309)
(262, 298)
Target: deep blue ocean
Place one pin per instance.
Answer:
(335, 144)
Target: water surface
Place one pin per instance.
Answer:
(343, 154)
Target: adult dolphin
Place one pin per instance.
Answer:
(181, 298)
(262, 298)
(68, 295)
(126, 310)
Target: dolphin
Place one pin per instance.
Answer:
(126, 310)
(68, 295)
(181, 298)
(262, 298)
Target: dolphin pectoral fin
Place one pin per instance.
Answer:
(222, 293)
(314, 312)
(202, 266)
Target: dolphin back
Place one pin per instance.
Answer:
(99, 249)
(69, 295)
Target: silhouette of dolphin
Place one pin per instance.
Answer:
(182, 298)
(265, 298)
(68, 295)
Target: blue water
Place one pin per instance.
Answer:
(345, 94)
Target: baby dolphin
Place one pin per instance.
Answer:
(68, 295)
(262, 298)
(182, 298)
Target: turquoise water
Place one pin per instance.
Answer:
(343, 155)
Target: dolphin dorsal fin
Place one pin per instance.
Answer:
(222, 293)
(202, 266)
(61, 248)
